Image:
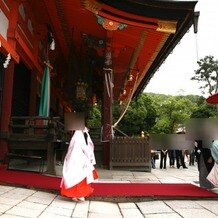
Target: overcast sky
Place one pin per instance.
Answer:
(173, 77)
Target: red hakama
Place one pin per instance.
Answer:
(81, 189)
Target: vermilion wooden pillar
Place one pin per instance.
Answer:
(8, 81)
(107, 106)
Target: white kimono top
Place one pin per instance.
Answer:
(79, 160)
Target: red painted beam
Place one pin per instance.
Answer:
(127, 15)
(56, 24)
(142, 24)
(32, 58)
(6, 48)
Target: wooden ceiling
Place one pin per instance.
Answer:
(140, 34)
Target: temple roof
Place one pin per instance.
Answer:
(140, 34)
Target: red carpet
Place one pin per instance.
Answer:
(29, 179)
(150, 190)
(35, 180)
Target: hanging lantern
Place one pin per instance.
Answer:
(81, 91)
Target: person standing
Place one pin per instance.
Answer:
(78, 169)
(192, 157)
(205, 164)
(180, 159)
(172, 156)
(163, 159)
(153, 158)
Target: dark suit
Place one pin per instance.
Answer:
(180, 159)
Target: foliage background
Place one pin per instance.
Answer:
(159, 113)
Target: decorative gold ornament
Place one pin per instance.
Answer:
(110, 24)
(167, 26)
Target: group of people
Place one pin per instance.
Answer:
(175, 157)
(206, 158)
(79, 165)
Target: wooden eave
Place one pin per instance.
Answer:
(153, 29)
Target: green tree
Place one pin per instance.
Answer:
(140, 116)
(201, 112)
(156, 113)
(94, 119)
(172, 113)
(205, 111)
(207, 75)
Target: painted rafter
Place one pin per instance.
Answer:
(123, 17)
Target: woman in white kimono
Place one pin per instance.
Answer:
(213, 175)
(78, 168)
